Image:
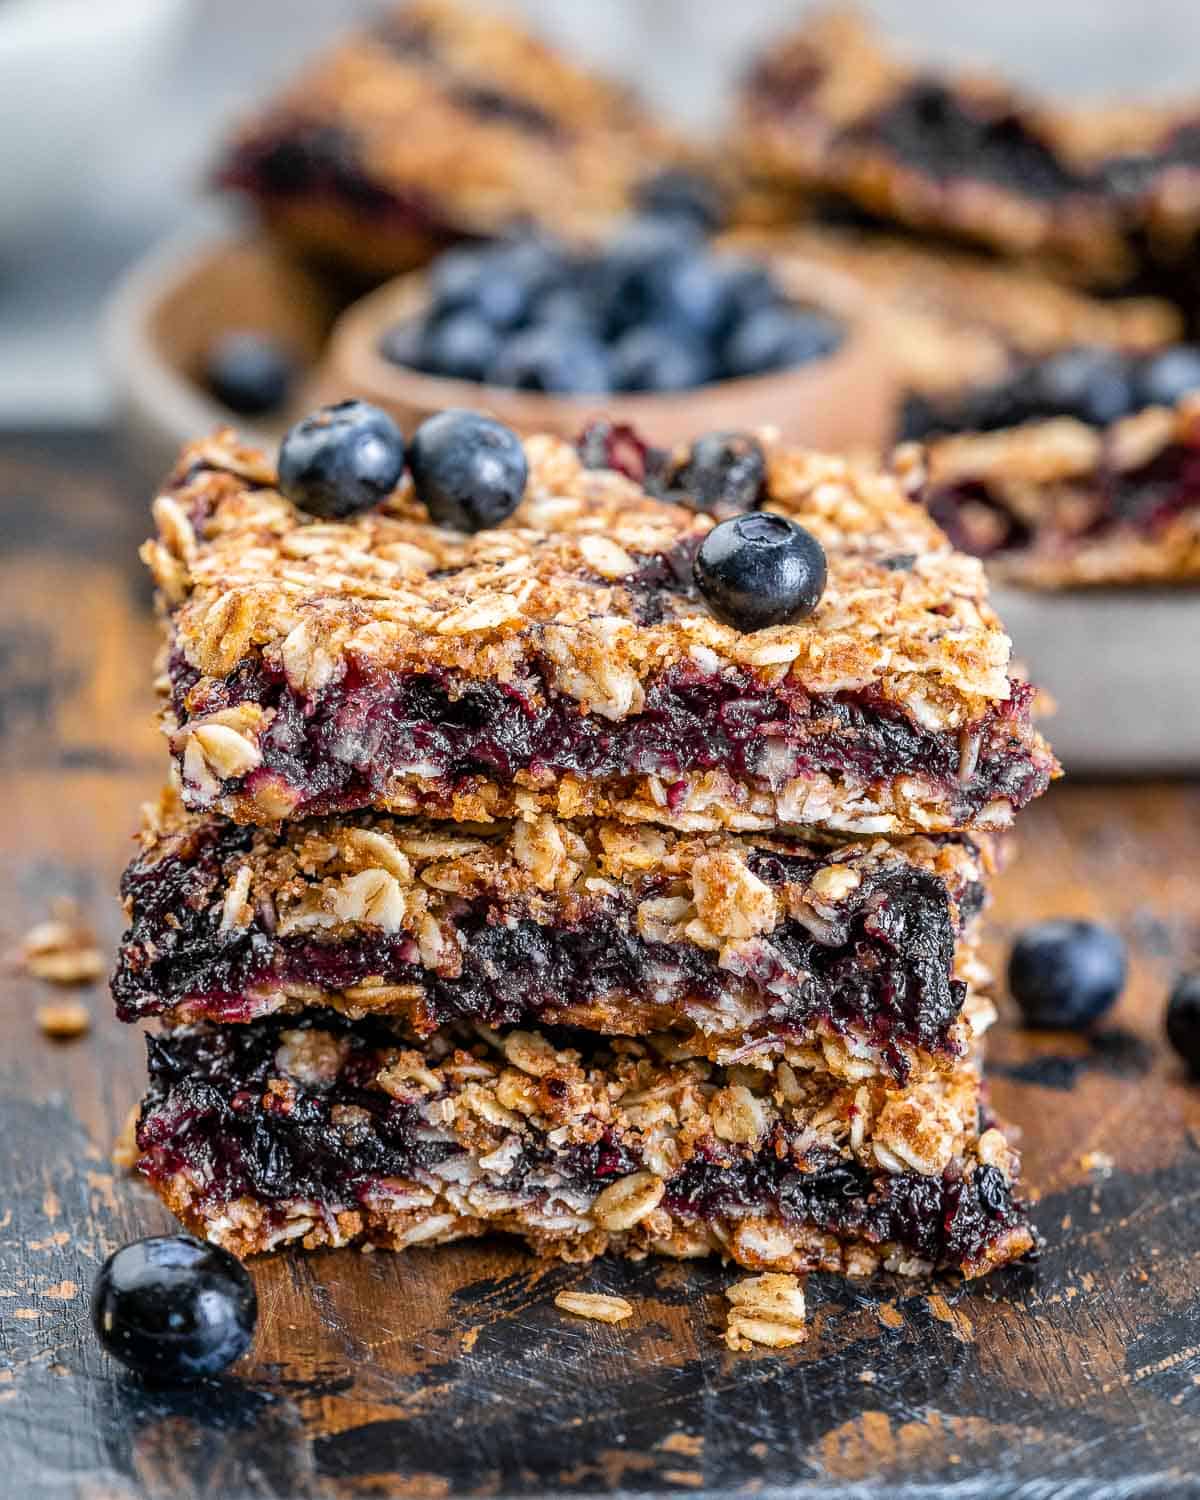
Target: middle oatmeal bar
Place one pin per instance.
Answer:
(863, 954)
(565, 663)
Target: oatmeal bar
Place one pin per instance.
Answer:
(327, 1133)
(564, 661)
(861, 952)
(1060, 502)
(830, 113)
(440, 123)
(957, 319)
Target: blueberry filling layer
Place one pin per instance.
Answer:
(346, 746)
(216, 1112)
(978, 518)
(884, 967)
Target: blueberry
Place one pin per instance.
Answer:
(498, 282)
(564, 307)
(1093, 385)
(759, 570)
(653, 358)
(628, 277)
(1164, 378)
(724, 472)
(778, 338)
(461, 347)
(401, 343)
(341, 460)
(749, 288)
(1066, 973)
(565, 361)
(692, 292)
(174, 1308)
(248, 372)
(1183, 1019)
(467, 470)
(680, 194)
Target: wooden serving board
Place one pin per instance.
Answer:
(450, 1372)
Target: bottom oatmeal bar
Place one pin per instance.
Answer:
(326, 1132)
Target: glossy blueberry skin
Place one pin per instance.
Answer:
(1164, 378)
(653, 358)
(626, 281)
(1183, 1020)
(725, 471)
(467, 470)
(462, 346)
(759, 570)
(563, 360)
(248, 372)
(777, 339)
(341, 460)
(173, 1308)
(1066, 974)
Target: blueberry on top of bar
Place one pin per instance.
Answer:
(565, 661)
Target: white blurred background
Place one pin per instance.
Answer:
(109, 109)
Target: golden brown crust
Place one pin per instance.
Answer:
(455, 123)
(556, 595)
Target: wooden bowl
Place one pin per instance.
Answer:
(843, 402)
(167, 311)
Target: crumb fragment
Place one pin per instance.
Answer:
(63, 1019)
(766, 1310)
(1097, 1161)
(124, 1152)
(61, 950)
(595, 1305)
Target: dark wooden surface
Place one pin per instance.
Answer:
(450, 1372)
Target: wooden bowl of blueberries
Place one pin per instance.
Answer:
(660, 328)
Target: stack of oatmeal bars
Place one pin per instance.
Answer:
(501, 886)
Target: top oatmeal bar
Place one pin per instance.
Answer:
(830, 113)
(564, 661)
(440, 123)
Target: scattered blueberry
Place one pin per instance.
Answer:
(1166, 377)
(566, 361)
(775, 338)
(462, 346)
(467, 470)
(1066, 973)
(1183, 1019)
(677, 193)
(248, 372)
(652, 358)
(759, 570)
(341, 460)
(174, 1308)
(724, 472)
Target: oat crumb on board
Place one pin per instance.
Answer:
(124, 1153)
(1097, 1161)
(766, 1310)
(62, 949)
(595, 1305)
(63, 1019)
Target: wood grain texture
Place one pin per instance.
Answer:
(451, 1373)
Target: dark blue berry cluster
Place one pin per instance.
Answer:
(1097, 386)
(657, 309)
